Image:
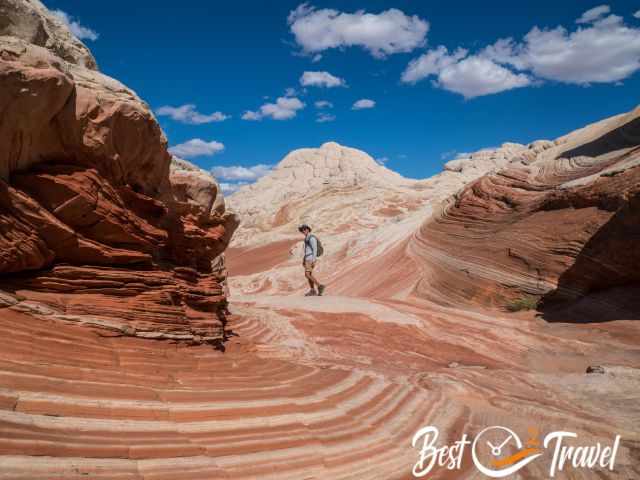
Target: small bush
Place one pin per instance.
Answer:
(523, 303)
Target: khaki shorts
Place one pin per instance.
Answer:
(308, 266)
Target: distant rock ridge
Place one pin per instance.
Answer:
(307, 169)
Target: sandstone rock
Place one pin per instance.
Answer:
(29, 20)
(553, 227)
(89, 204)
(194, 185)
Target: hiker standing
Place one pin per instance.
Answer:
(312, 250)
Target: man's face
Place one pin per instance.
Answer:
(305, 231)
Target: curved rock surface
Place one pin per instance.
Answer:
(358, 207)
(302, 392)
(96, 222)
(559, 223)
(30, 21)
(108, 245)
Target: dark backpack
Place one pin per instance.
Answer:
(318, 242)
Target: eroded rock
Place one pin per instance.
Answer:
(94, 220)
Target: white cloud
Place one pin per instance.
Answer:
(380, 34)
(323, 104)
(477, 76)
(606, 51)
(602, 50)
(79, 30)
(325, 117)
(237, 176)
(637, 14)
(431, 63)
(229, 188)
(321, 79)
(196, 147)
(594, 14)
(382, 160)
(448, 154)
(189, 114)
(251, 115)
(470, 76)
(363, 103)
(284, 109)
(247, 174)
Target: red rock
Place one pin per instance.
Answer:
(93, 220)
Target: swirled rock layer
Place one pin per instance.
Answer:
(561, 222)
(97, 221)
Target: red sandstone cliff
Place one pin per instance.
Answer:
(95, 220)
(558, 224)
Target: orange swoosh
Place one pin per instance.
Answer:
(515, 457)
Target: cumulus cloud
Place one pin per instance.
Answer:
(188, 114)
(637, 14)
(237, 176)
(229, 188)
(283, 109)
(325, 117)
(251, 115)
(594, 14)
(79, 30)
(363, 103)
(601, 50)
(604, 51)
(321, 79)
(239, 173)
(196, 147)
(381, 34)
(323, 104)
(431, 63)
(470, 76)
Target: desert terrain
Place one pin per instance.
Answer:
(154, 329)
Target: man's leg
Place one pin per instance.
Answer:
(308, 267)
(310, 280)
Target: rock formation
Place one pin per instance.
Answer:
(361, 210)
(560, 222)
(97, 223)
(548, 221)
(108, 245)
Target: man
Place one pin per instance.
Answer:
(310, 255)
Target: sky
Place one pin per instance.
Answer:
(237, 85)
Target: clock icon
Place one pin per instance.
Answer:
(498, 451)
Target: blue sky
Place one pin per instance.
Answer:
(433, 78)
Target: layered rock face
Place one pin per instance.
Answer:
(97, 223)
(560, 222)
(359, 208)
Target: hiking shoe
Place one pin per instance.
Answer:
(311, 293)
(320, 290)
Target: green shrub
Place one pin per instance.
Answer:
(526, 302)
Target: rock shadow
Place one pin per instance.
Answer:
(625, 136)
(604, 282)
